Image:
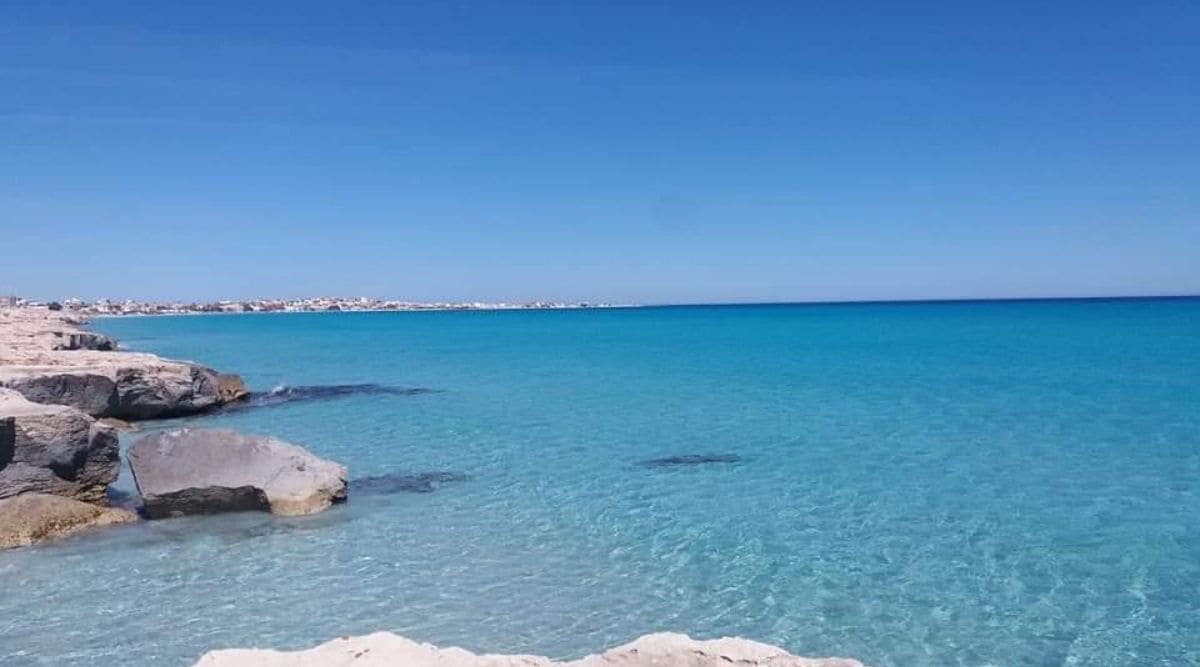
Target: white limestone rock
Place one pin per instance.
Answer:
(203, 471)
(384, 649)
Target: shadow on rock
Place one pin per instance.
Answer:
(285, 394)
(124, 499)
(423, 482)
(690, 460)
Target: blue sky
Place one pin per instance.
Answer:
(605, 151)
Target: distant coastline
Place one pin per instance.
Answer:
(135, 308)
(918, 302)
(130, 307)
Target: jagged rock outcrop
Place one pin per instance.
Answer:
(386, 649)
(46, 357)
(54, 449)
(125, 386)
(202, 471)
(33, 517)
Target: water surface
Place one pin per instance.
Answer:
(909, 484)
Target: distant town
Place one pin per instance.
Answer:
(309, 305)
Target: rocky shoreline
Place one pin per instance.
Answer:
(49, 358)
(64, 392)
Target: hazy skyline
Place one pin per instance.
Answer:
(620, 152)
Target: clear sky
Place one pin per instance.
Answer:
(613, 151)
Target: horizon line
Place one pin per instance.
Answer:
(985, 299)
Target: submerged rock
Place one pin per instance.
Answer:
(690, 460)
(286, 394)
(423, 482)
(657, 650)
(202, 471)
(33, 517)
(54, 449)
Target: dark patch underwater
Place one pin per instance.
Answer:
(689, 460)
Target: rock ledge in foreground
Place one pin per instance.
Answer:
(203, 471)
(656, 650)
(33, 517)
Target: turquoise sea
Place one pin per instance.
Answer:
(1005, 483)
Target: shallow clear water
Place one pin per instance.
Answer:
(918, 484)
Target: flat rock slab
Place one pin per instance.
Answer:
(384, 649)
(33, 517)
(204, 471)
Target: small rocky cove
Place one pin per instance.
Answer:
(65, 391)
(64, 394)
